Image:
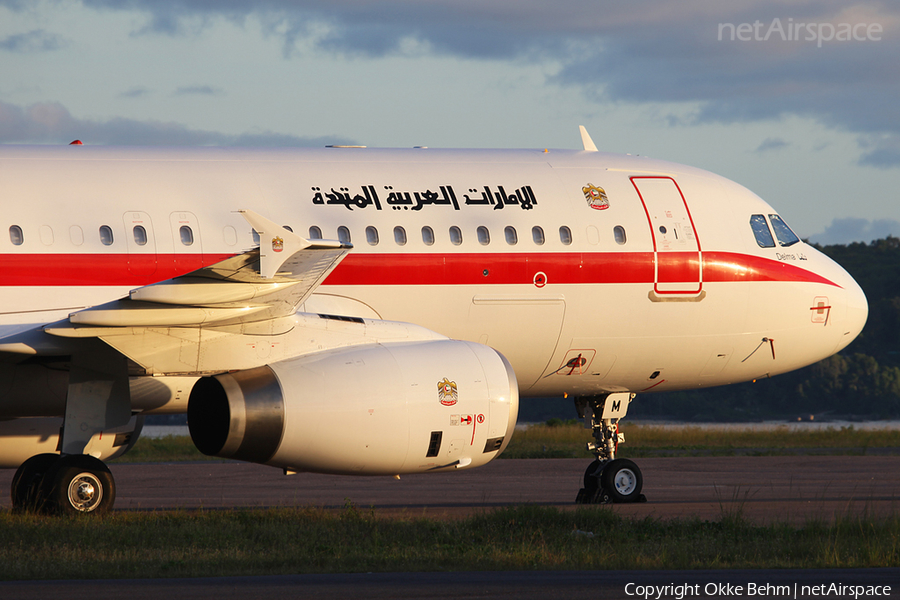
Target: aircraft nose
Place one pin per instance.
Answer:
(857, 311)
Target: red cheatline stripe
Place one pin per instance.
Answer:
(408, 269)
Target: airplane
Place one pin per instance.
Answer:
(364, 311)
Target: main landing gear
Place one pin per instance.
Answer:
(98, 399)
(63, 484)
(608, 479)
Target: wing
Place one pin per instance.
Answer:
(204, 320)
(260, 285)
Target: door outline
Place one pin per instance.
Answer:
(186, 258)
(683, 276)
(142, 259)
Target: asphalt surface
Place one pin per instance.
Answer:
(763, 489)
(794, 489)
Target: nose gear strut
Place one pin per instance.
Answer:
(607, 478)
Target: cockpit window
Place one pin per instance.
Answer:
(761, 231)
(785, 236)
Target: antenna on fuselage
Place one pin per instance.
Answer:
(586, 140)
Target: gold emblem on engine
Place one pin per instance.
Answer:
(447, 393)
(277, 244)
(596, 197)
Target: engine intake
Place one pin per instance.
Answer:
(239, 415)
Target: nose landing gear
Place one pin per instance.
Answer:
(608, 479)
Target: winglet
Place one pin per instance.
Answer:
(586, 140)
(276, 244)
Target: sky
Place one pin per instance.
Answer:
(795, 99)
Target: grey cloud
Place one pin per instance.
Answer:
(881, 151)
(34, 41)
(198, 90)
(640, 51)
(51, 123)
(16, 5)
(771, 144)
(136, 92)
(851, 229)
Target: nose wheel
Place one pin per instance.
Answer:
(615, 481)
(608, 479)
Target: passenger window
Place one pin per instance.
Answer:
(428, 235)
(16, 236)
(619, 234)
(400, 235)
(484, 236)
(187, 236)
(140, 235)
(46, 235)
(315, 233)
(512, 238)
(761, 231)
(106, 235)
(455, 236)
(785, 236)
(537, 234)
(372, 235)
(76, 234)
(229, 234)
(565, 235)
(344, 234)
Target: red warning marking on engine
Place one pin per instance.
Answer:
(480, 418)
(461, 419)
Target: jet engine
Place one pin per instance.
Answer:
(379, 409)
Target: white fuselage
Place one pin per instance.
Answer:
(656, 284)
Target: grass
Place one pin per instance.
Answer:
(310, 540)
(558, 439)
(170, 448)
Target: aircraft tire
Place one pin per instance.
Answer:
(26, 487)
(79, 484)
(592, 492)
(622, 480)
(592, 475)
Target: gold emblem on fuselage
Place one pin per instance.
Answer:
(596, 197)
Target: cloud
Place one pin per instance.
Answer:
(881, 151)
(51, 123)
(199, 90)
(32, 42)
(642, 51)
(852, 229)
(771, 144)
(136, 92)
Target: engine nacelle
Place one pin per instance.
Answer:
(366, 410)
(20, 439)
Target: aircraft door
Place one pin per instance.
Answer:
(676, 247)
(188, 255)
(141, 241)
